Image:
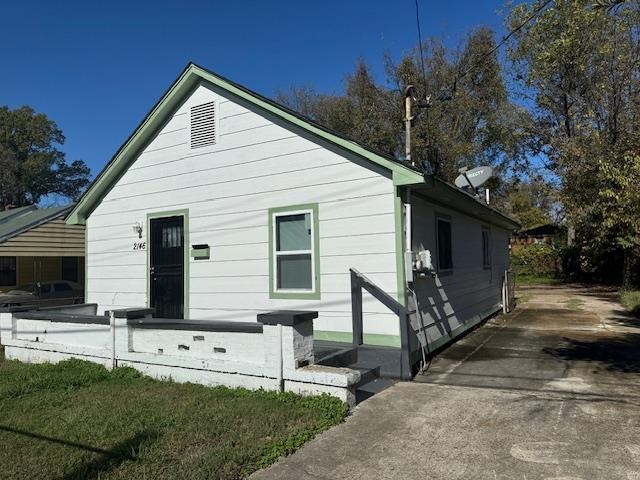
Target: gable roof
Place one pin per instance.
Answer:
(19, 220)
(192, 75)
(546, 229)
(186, 82)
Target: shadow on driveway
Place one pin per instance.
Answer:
(547, 392)
(617, 354)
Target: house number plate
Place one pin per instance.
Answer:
(140, 246)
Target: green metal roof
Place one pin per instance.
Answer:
(18, 220)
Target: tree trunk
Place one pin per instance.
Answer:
(627, 273)
(571, 234)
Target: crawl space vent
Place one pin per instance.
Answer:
(203, 125)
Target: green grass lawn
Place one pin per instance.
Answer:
(574, 303)
(77, 420)
(630, 299)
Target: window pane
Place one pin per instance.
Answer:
(293, 232)
(486, 255)
(7, 271)
(70, 269)
(171, 236)
(445, 260)
(294, 272)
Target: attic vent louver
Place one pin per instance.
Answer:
(203, 125)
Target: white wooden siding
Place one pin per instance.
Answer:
(228, 188)
(470, 291)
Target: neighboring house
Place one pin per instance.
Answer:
(223, 204)
(36, 245)
(547, 234)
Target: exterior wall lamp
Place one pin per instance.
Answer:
(137, 228)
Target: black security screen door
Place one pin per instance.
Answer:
(167, 267)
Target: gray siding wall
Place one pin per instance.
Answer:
(454, 301)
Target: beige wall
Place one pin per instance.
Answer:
(50, 239)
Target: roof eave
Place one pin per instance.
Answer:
(188, 78)
(489, 212)
(111, 173)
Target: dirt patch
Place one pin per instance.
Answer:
(555, 319)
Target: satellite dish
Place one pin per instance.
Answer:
(473, 178)
(427, 169)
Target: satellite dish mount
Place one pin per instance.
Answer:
(410, 101)
(474, 178)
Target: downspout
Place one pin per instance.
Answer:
(408, 261)
(280, 361)
(408, 273)
(112, 324)
(407, 233)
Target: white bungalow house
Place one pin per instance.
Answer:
(222, 205)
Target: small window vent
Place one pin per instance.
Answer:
(203, 125)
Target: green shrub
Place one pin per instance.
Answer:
(537, 259)
(572, 263)
(631, 300)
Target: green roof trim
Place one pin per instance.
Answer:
(189, 79)
(402, 174)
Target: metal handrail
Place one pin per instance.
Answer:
(359, 282)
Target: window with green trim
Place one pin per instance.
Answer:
(293, 251)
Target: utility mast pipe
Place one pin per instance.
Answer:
(407, 125)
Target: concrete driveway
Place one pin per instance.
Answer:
(551, 391)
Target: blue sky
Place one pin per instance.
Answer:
(97, 68)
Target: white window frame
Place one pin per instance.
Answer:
(276, 254)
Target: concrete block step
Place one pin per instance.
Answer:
(367, 373)
(340, 357)
(369, 389)
(386, 358)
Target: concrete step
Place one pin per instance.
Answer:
(367, 373)
(369, 389)
(379, 366)
(337, 354)
(387, 358)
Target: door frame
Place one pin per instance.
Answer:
(185, 225)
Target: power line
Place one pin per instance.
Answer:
(424, 74)
(504, 39)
